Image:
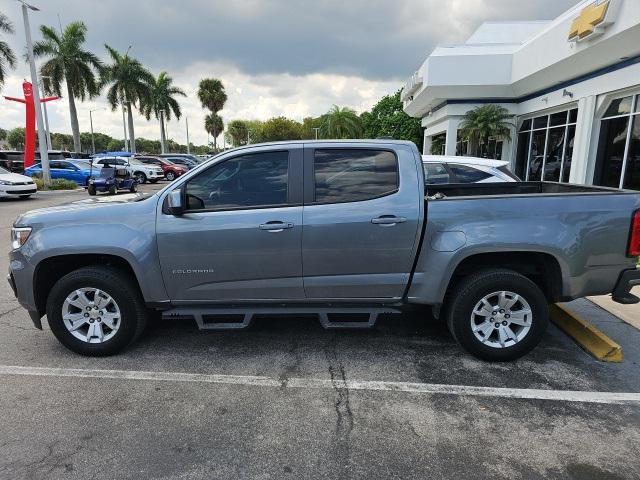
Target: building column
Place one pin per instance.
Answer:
(580, 161)
(426, 143)
(452, 137)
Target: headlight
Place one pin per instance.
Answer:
(19, 236)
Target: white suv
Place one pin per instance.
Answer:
(448, 169)
(142, 171)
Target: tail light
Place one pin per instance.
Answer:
(634, 239)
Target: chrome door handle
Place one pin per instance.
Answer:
(387, 220)
(275, 226)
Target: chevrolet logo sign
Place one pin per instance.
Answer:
(590, 17)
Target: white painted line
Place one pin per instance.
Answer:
(318, 383)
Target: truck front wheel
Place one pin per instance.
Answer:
(96, 311)
(497, 314)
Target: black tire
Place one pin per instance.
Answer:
(141, 177)
(464, 296)
(113, 189)
(170, 176)
(91, 189)
(116, 284)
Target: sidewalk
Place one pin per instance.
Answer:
(628, 313)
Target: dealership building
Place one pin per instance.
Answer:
(572, 85)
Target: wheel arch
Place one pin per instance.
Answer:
(542, 268)
(51, 269)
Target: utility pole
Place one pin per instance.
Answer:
(46, 116)
(186, 119)
(42, 141)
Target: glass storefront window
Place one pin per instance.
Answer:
(545, 146)
(618, 157)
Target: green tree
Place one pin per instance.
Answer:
(242, 132)
(280, 128)
(129, 85)
(15, 138)
(212, 97)
(341, 123)
(7, 57)
(388, 119)
(61, 141)
(67, 61)
(162, 102)
(114, 145)
(214, 126)
(3, 134)
(483, 122)
(309, 126)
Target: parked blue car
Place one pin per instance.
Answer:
(71, 169)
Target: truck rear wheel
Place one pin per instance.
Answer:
(96, 311)
(497, 314)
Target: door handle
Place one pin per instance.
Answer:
(275, 226)
(388, 220)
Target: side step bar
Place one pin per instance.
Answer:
(225, 318)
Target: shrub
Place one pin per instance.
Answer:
(56, 184)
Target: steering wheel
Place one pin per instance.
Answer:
(216, 194)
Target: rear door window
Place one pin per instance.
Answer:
(435, 173)
(466, 174)
(352, 175)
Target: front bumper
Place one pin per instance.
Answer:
(622, 291)
(20, 278)
(15, 190)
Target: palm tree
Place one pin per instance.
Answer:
(211, 94)
(7, 57)
(161, 102)
(214, 125)
(129, 85)
(341, 123)
(68, 62)
(483, 122)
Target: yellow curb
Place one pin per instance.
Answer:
(586, 335)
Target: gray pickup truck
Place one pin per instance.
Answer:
(341, 229)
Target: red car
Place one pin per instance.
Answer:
(171, 170)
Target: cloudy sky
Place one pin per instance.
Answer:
(275, 57)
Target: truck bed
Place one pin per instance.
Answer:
(515, 188)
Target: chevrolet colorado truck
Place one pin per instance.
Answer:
(341, 229)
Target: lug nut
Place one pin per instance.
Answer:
(503, 323)
(99, 320)
(497, 324)
(501, 311)
(507, 316)
(91, 320)
(491, 319)
(86, 314)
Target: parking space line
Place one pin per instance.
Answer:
(317, 383)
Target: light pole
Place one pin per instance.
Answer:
(46, 116)
(93, 143)
(124, 126)
(315, 129)
(186, 119)
(42, 141)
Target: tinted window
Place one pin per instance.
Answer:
(255, 180)
(619, 106)
(464, 174)
(350, 175)
(435, 173)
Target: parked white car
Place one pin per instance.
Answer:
(448, 169)
(142, 171)
(16, 185)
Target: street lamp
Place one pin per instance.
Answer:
(93, 143)
(42, 141)
(186, 119)
(315, 129)
(162, 135)
(124, 124)
(46, 116)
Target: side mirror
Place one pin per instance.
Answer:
(175, 203)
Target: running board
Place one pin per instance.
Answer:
(241, 317)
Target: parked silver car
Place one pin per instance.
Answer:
(440, 169)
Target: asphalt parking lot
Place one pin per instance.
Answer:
(286, 399)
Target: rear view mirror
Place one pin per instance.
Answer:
(175, 204)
